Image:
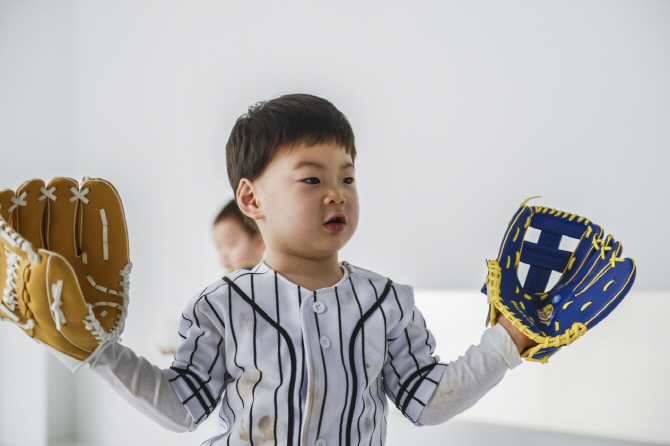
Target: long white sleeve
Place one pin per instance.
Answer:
(471, 376)
(143, 386)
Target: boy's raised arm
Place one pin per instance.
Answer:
(429, 392)
(181, 397)
(143, 385)
(466, 380)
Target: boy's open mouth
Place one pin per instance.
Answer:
(336, 223)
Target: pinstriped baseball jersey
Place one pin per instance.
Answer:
(293, 366)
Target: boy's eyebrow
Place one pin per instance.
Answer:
(320, 166)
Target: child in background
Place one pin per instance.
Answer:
(238, 241)
(239, 245)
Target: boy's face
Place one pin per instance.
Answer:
(308, 201)
(236, 247)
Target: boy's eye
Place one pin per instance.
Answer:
(311, 180)
(348, 180)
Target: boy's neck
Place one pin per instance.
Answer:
(312, 274)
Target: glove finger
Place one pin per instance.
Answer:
(29, 209)
(103, 239)
(61, 314)
(103, 233)
(594, 264)
(6, 196)
(605, 287)
(583, 258)
(61, 218)
(568, 302)
(618, 281)
(16, 255)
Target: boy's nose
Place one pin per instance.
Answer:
(336, 196)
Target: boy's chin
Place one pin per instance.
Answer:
(325, 252)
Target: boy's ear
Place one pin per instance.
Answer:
(247, 199)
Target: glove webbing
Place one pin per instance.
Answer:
(545, 255)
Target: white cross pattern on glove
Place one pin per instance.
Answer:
(79, 195)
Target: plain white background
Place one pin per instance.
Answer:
(461, 110)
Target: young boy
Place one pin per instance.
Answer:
(304, 349)
(238, 241)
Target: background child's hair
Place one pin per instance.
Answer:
(284, 121)
(232, 211)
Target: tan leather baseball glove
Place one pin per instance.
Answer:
(64, 264)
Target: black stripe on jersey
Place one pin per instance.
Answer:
(302, 369)
(410, 394)
(291, 351)
(230, 409)
(409, 349)
(353, 370)
(248, 273)
(352, 359)
(402, 314)
(403, 387)
(325, 372)
(260, 374)
(195, 348)
(218, 347)
(374, 415)
(393, 367)
(279, 363)
(382, 417)
(186, 319)
(360, 310)
(386, 346)
(197, 323)
(216, 358)
(381, 309)
(344, 367)
(232, 330)
(427, 334)
(214, 311)
(185, 375)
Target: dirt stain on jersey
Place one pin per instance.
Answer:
(244, 323)
(244, 435)
(247, 382)
(265, 433)
(369, 423)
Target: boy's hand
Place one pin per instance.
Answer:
(521, 341)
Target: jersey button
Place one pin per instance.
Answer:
(319, 307)
(320, 442)
(325, 342)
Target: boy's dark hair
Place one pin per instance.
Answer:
(232, 211)
(284, 121)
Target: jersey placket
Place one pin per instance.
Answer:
(316, 327)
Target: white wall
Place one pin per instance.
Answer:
(36, 141)
(461, 110)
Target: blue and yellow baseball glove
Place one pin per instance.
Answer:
(595, 279)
